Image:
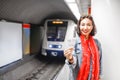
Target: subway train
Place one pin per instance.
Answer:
(59, 35)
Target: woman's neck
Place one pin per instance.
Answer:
(86, 37)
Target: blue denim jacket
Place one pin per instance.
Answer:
(77, 56)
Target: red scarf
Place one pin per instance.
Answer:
(89, 51)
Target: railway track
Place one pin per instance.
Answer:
(46, 70)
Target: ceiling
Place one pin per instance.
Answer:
(84, 5)
(36, 11)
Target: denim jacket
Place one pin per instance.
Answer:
(77, 56)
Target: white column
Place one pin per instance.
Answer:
(106, 14)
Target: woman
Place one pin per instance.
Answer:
(87, 53)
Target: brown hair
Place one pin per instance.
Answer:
(93, 32)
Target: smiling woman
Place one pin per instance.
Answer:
(87, 55)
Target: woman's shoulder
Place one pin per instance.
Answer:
(99, 45)
(78, 38)
(97, 41)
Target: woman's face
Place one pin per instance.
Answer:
(86, 26)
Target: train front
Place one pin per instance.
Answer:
(58, 35)
(54, 41)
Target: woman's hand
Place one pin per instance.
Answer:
(68, 55)
(99, 78)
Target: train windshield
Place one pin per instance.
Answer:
(56, 31)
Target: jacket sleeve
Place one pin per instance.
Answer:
(74, 58)
(100, 51)
(76, 53)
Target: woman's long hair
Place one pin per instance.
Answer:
(93, 32)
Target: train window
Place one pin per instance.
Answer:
(56, 32)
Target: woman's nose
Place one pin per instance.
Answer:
(85, 27)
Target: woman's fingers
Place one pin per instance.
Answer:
(68, 53)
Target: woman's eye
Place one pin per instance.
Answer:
(88, 24)
(83, 24)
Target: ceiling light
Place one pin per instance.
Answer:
(73, 7)
(69, 1)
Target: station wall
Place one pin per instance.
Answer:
(106, 14)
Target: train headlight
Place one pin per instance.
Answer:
(54, 46)
(50, 45)
(59, 46)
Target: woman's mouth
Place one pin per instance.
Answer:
(85, 31)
